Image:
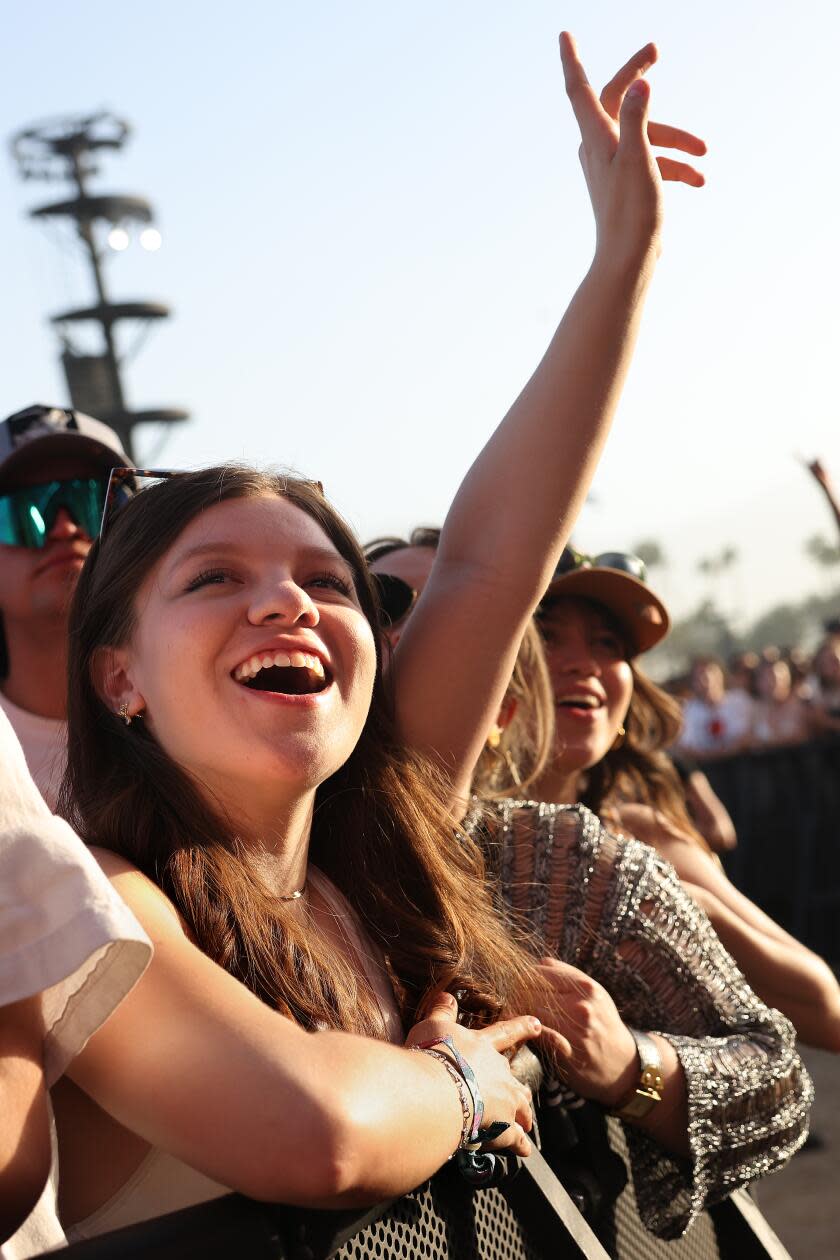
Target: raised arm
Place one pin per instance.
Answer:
(820, 474)
(194, 1063)
(516, 507)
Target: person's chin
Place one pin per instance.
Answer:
(581, 753)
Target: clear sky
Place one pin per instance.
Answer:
(373, 218)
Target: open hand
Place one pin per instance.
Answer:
(623, 176)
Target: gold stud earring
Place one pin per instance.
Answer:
(495, 736)
(619, 738)
(124, 713)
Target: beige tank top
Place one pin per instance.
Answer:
(161, 1183)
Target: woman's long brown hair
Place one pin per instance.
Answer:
(381, 830)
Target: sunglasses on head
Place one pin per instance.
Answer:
(124, 484)
(395, 597)
(571, 560)
(27, 515)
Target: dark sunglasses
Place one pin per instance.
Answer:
(395, 597)
(125, 483)
(571, 560)
(28, 515)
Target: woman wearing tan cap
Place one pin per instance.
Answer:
(612, 727)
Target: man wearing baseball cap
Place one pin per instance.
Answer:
(54, 468)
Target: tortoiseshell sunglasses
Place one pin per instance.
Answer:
(123, 487)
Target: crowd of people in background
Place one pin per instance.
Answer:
(756, 701)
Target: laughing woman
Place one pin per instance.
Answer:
(229, 747)
(231, 752)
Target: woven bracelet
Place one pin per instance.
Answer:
(469, 1080)
(463, 1093)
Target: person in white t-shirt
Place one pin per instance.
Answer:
(70, 949)
(54, 468)
(717, 722)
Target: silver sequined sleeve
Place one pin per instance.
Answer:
(610, 906)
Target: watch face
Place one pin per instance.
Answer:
(652, 1079)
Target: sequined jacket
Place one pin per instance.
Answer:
(612, 907)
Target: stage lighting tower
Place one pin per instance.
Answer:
(67, 149)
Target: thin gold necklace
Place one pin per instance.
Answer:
(295, 896)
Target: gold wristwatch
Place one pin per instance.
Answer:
(643, 1097)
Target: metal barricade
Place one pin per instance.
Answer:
(785, 804)
(528, 1216)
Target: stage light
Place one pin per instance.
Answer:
(119, 239)
(151, 239)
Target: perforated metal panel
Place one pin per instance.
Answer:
(530, 1217)
(624, 1236)
(446, 1221)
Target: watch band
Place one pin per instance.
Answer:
(643, 1097)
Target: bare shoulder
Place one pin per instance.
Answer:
(651, 826)
(149, 902)
(113, 863)
(688, 858)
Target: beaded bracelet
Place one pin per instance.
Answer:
(469, 1080)
(463, 1094)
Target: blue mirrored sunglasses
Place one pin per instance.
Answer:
(28, 515)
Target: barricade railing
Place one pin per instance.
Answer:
(785, 804)
(529, 1215)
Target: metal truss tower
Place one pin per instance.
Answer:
(66, 149)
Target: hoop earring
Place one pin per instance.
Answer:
(619, 739)
(124, 714)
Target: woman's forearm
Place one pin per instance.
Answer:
(667, 1123)
(24, 1130)
(785, 976)
(511, 518)
(528, 484)
(390, 1121)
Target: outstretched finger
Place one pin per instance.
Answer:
(639, 64)
(557, 1045)
(512, 1139)
(680, 172)
(675, 138)
(591, 119)
(555, 1040)
(511, 1032)
(632, 139)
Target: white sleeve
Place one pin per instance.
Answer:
(64, 931)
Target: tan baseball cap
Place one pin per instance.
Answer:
(641, 615)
